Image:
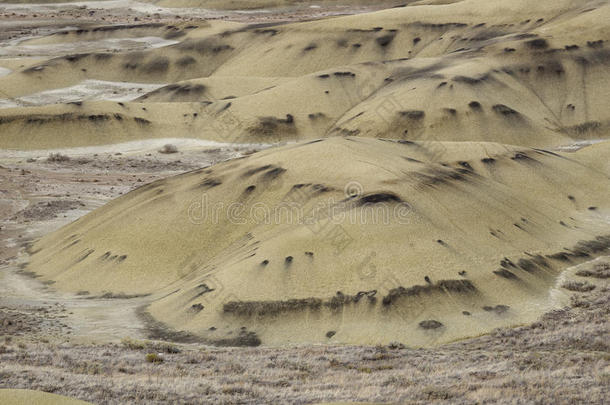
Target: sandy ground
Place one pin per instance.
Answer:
(104, 348)
(38, 196)
(95, 348)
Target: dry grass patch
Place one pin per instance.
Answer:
(57, 157)
(169, 148)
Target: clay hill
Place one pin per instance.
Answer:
(435, 170)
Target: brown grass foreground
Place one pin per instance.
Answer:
(564, 358)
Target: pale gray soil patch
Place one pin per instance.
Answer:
(192, 153)
(82, 319)
(576, 146)
(107, 45)
(88, 90)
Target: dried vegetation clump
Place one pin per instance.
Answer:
(560, 358)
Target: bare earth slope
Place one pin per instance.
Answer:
(521, 73)
(426, 188)
(358, 240)
(308, 202)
